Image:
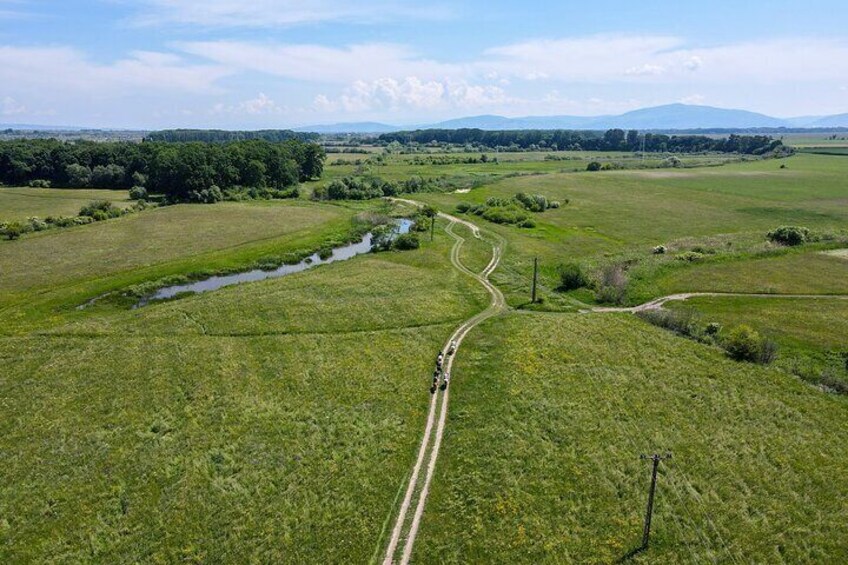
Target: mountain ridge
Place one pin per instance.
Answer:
(668, 117)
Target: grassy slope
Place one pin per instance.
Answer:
(60, 269)
(797, 273)
(615, 212)
(549, 414)
(19, 203)
(803, 328)
(271, 422)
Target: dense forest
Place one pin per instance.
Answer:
(224, 136)
(612, 140)
(180, 171)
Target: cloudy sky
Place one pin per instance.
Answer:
(282, 63)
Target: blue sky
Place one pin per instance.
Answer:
(282, 63)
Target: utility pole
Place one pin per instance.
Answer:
(655, 458)
(535, 276)
(432, 227)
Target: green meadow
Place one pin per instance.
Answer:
(20, 203)
(277, 421)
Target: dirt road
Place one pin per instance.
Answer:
(406, 523)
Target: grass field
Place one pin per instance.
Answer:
(626, 213)
(810, 333)
(23, 202)
(268, 422)
(795, 273)
(60, 269)
(541, 460)
(276, 421)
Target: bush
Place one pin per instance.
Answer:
(406, 241)
(39, 183)
(683, 322)
(689, 256)
(463, 207)
(659, 250)
(100, 210)
(532, 202)
(14, 230)
(745, 344)
(209, 195)
(138, 193)
(789, 235)
(713, 329)
(612, 286)
(593, 166)
(37, 224)
(571, 277)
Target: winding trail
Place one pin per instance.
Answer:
(406, 523)
(658, 303)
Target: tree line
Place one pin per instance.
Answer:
(181, 171)
(226, 136)
(570, 140)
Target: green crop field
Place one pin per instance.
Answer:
(280, 421)
(24, 202)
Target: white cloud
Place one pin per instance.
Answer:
(11, 107)
(318, 63)
(65, 70)
(411, 93)
(260, 105)
(693, 64)
(696, 99)
(645, 70)
(669, 59)
(274, 13)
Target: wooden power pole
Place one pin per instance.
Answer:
(655, 458)
(535, 277)
(432, 227)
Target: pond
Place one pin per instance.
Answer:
(215, 282)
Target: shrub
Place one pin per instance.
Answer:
(683, 322)
(689, 256)
(532, 202)
(207, 195)
(712, 329)
(789, 235)
(554, 204)
(571, 277)
(593, 166)
(745, 344)
(14, 230)
(659, 250)
(612, 286)
(406, 241)
(138, 193)
(107, 209)
(463, 207)
(37, 224)
(39, 183)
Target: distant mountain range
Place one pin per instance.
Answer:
(664, 118)
(668, 118)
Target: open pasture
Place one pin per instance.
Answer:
(549, 417)
(20, 203)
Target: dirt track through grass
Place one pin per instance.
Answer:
(659, 302)
(431, 442)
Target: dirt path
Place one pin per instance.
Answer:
(406, 524)
(660, 302)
